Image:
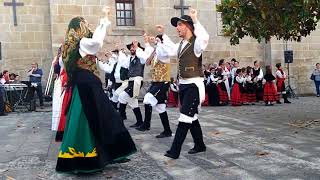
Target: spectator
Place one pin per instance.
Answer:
(13, 78)
(1, 98)
(316, 78)
(35, 75)
(5, 77)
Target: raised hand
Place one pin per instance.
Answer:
(107, 11)
(193, 14)
(135, 44)
(146, 38)
(160, 28)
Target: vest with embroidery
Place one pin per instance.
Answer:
(136, 68)
(160, 72)
(89, 63)
(189, 65)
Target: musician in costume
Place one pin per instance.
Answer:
(157, 93)
(280, 81)
(191, 87)
(94, 134)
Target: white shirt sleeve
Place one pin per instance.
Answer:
(124, 60)
(93, 45)
(202, 39)
(260, 76)
(169, 48)
(162, 54)
(144, 55)
(106, 67)
(240, 79)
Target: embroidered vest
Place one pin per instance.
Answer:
(189, 65)
(89, 63)
(160, 72)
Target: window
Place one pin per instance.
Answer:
(125, 12)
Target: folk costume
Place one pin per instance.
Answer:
(269, 91)
(156, 96)
(213, 94)
(258, 77)
(94, 135)
(281, 77)
(237, 91)
(191, 86)
(135, 74)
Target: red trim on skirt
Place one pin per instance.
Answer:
(236, 99)
(269, 92)
(223, 95)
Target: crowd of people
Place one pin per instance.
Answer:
(229, 84)
(89, 122)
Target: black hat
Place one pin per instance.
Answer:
(184, 18)
(115, 51)
(139, 45)
(160, 37)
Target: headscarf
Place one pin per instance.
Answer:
(77, 30)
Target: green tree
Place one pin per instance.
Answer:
(263, 19)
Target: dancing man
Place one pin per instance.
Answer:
(192, 91)
(157, 94)
(130, 95)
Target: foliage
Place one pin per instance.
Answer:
(263, 19)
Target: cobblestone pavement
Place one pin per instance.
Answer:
(247, 142)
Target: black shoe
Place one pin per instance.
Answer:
(170, 155)
(278, 102)
(164, 135)
(287, 102)
(197, 150)
(136, 125)
(120, 161)
(4, 114)
(143, 127)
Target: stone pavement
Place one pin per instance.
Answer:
(247, 142)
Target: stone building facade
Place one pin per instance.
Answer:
(41, 25)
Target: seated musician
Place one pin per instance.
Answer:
(35, 75)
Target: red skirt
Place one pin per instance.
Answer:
(223, 95)
(172, 99)
(206, 101)
(236, 99)
(250, 97)
(63, 116)
(270, 92)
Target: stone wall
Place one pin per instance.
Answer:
(42, 25)
(28, 42)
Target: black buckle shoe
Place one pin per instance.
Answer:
(135, 125)
(197, 150)
(164, 135)
(170, 155)
(143, 128)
